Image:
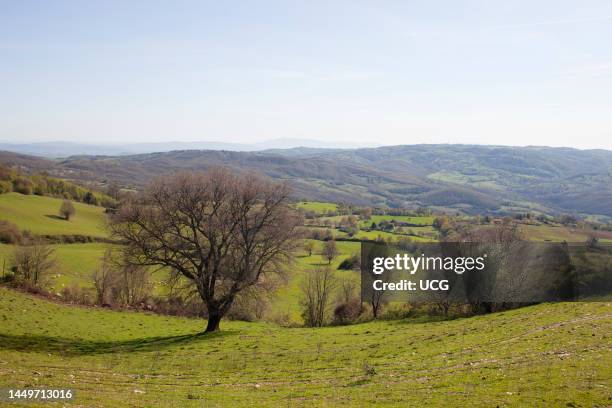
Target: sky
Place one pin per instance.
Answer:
(354, 72)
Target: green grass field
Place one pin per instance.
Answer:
(317, 206)
(375, 234)
(420, 221)
(76, 264)
(40, 216)
(546, 355)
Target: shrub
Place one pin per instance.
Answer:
(347, 312)
(90, 198)
(350, 263)
(317, 290)
(32, 263)
(103, 278)
(5, 187)
(130, 286)
(9, 233)
(249, 306)
(22, 185)
(179, 306)
(77, 294)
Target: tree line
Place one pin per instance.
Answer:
(11, 180)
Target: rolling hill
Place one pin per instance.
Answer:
(39, 215)
(544, 355)
(470, 179)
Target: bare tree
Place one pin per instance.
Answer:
(348, 290)
(130, 284)
(505, 267)
(222, 232)
(377, 300)
(330, 251)
(103, 278)
(33, 262)
(317, 290)
(67, 210)
(308, 246)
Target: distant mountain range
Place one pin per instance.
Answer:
(463, 178)
(66, 149)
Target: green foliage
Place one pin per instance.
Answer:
(44, 185)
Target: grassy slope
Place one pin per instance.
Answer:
(39, 215)
(76, 263)
(545, 355)
(286, 300)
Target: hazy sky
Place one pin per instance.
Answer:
(376, 72)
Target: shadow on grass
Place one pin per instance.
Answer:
(55, 217)
(80, 347)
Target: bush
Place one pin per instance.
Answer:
(9, 233)
(5, 187)
(317, 289)
(130, 286)
(179, 306)
(347, 312)
(351, 263)
(90, 198)
(76, 294)
(249, 308)
(22, 185)
(32, 263)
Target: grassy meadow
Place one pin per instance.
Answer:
(544, 355)
(39, 215)
(76, 263)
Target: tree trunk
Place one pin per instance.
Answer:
(213, 322)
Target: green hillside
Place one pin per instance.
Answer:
(40, 215)
(76, 264)
(469, 179)
(545, 355)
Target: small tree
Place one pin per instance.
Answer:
(348, 290)
(308, 246)
(317, 291)
(330, 251)
(67, 210)
(90, 198)
(377, 300)
(103, 278)
(33, 262)
(130, 285)
(9, 233)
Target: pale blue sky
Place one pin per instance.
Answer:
(377, 72)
